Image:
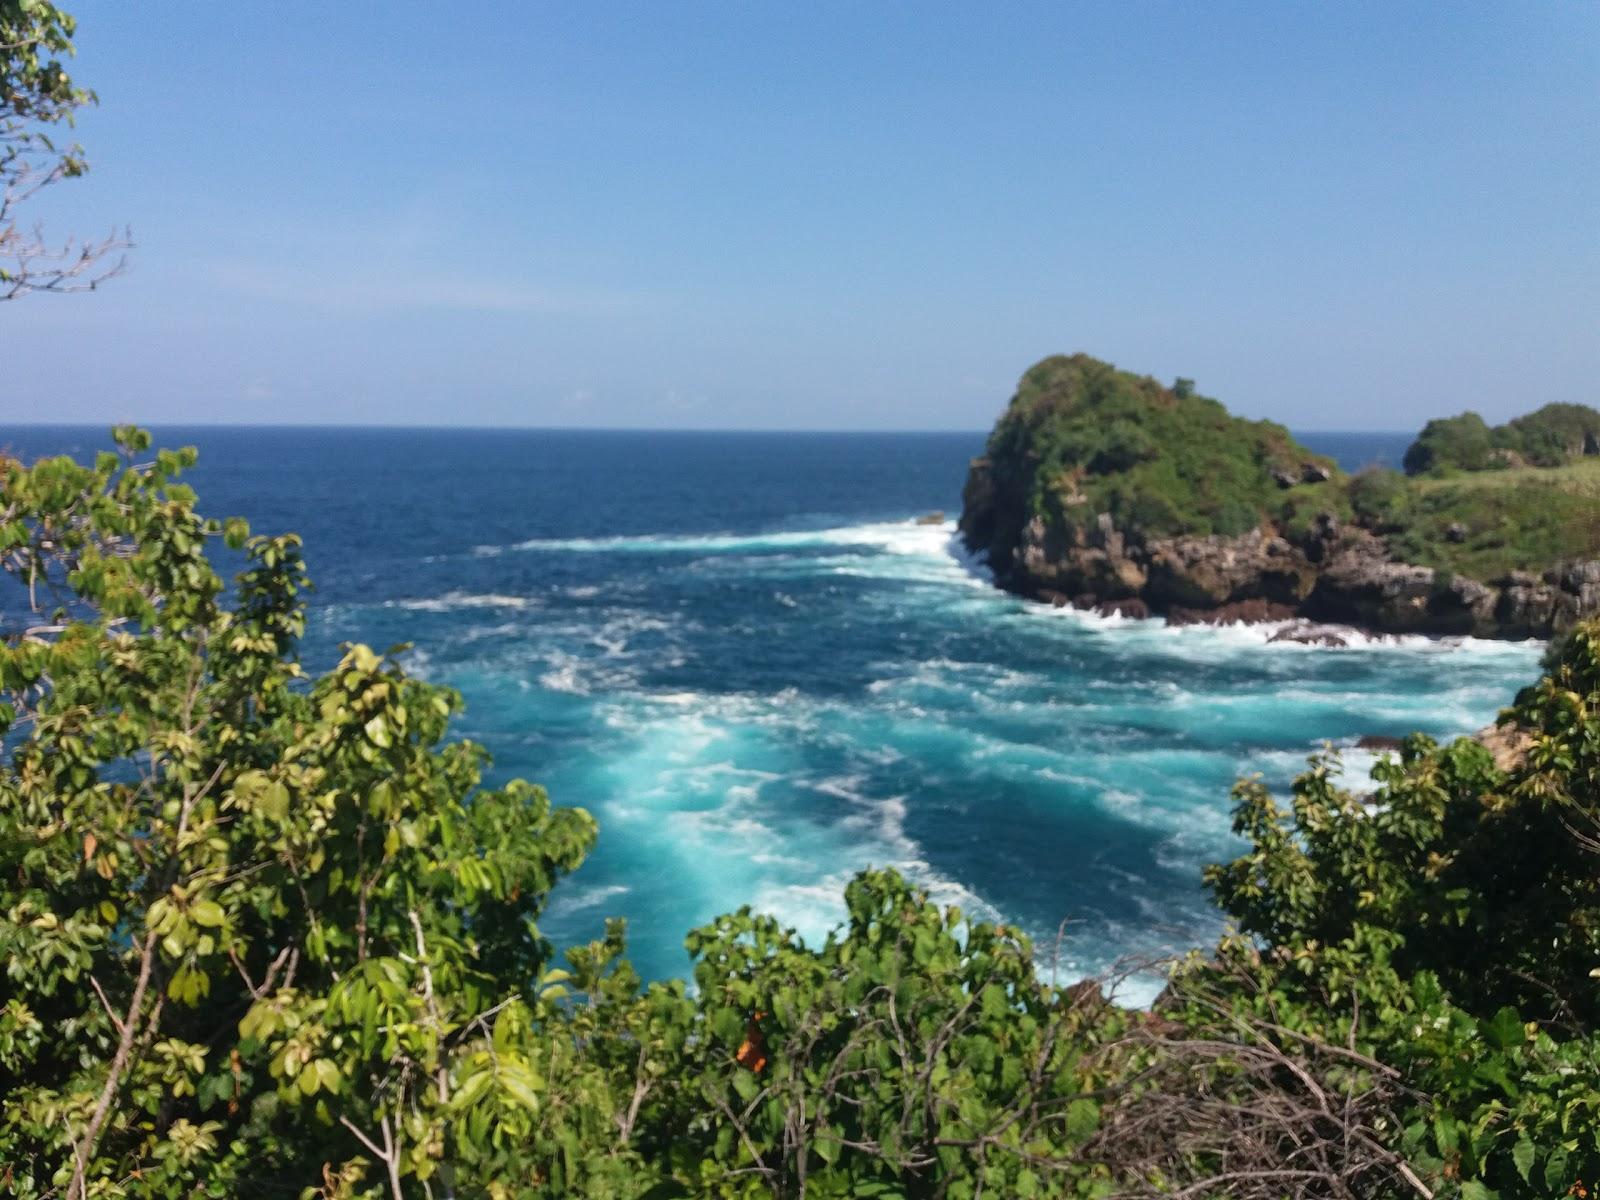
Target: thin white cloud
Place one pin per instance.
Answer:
(377, 291)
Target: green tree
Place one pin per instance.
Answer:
(1553, 435)
(1463, 443)
(252, 922)
(1448, 926)
(37, 97)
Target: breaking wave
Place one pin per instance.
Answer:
(755, 716)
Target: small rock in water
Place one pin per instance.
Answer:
(1130, 607)
(1379, 741)
(936, 517)
(1307, 634)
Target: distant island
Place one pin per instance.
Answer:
(1107, 490)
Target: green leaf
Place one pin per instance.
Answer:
(1522, 1154)
(327, 1074)
(520, 1084)
(1446, 1136)
(1083, 1117)
(275, 801)
(1555, 1169)
(993, 1002)
(208, 913)
(1505, 1029)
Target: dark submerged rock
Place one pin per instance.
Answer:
(1305, 633)
(1379, 741)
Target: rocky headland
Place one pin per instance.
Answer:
(1105, 490)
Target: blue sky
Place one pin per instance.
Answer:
(820, 215)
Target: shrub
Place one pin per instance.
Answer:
(1378, 497)
(1555, 434)
(1460, 443)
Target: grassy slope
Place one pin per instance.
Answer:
(1522, 519)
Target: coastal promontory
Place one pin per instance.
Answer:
(1104, 489)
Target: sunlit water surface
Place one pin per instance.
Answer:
(739, 653)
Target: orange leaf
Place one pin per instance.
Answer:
(89, 843)
(752, 1051)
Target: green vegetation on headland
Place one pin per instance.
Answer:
(1082, 438)
(1101, 487)
(1487, 524)
(265, 934)
(1553, 436)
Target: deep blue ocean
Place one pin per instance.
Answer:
(742, 657)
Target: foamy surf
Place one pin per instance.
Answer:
(454, 601)
(890, 537)
(756, 716)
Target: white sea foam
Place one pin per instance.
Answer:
(777, 798)
(564, 678)
(1211, 641)
(891, 537)
(569, 900)
(455, 601)
(813, 907)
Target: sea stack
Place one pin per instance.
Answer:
(1104, 489)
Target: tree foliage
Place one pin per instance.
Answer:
(37, 98)
(1451, 921)
(248, 916)
(1462, 443)
(1551, 436)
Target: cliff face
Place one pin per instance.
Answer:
(1061, 528)
(1345, 578)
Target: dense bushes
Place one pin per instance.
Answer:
(1489, 524)
(1451, 924)
(265, 935)
(1081, 438)
(1553, 435)
(1549, 437)
(1461, 443)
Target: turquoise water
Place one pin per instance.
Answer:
(742, 656)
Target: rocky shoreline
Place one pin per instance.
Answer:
(1334, 576)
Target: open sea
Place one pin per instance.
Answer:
(739, 653)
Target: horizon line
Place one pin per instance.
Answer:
(377, 427)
